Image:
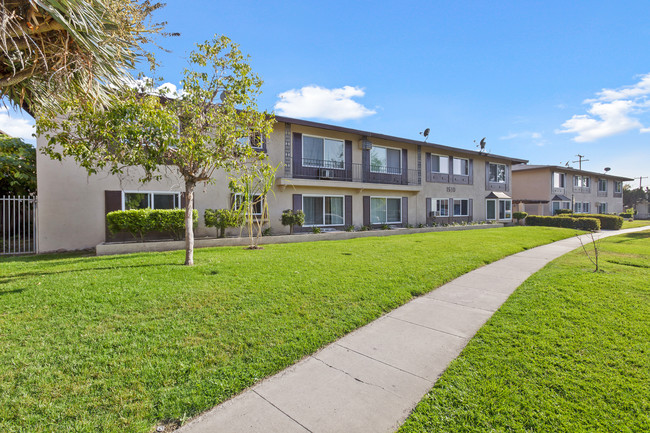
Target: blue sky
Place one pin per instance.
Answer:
(543, 81)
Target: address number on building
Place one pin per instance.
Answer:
(451, 189)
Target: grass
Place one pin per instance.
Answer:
(636, 223)
(568, 352)
(123, 343)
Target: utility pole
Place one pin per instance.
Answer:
(640, 179)
(579, 161)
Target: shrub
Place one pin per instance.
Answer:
(364, 228)
(607, 222)
(222, 219)
(140, 222)
(385, 227)
(519, 215)
(580, 223)
(562, 211)
(316, 230)
(349, 228)
(292, 218)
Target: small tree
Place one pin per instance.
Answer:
(595, 243)
(223, 219)
(293, 218)
(17, 167)
(519, 216)
(197, 132)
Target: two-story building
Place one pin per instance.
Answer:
(337, 176)
(543, 189)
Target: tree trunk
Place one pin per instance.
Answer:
(189, 223)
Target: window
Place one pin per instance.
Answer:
(385, 210)
(253, 140)
(497, 173)
(558, 180)
(602, 185)
(461, 166)
(491, 209)
(322, 152)
(577, 207)
(505, 209)
(560, 205)
(602, 207)
(151, 200)
(440, 207)
(581, 181)
(323, 210)
(385, 160)
(256, 200)
(461, 207)
(618, 186)
(439, 164)
(585, 207)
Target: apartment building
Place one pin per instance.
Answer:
(542, 189)
(338, 176)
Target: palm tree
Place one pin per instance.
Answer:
(57, 50)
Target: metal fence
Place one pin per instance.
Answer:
(18, 225)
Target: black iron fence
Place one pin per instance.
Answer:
(18, 225)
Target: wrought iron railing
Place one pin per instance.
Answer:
(353, 172)
(18, 225)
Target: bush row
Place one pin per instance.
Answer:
(580, 223)
(140, 222)
(607, 222)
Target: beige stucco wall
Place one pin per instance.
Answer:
(72, 204)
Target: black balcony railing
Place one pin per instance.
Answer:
(353, 172)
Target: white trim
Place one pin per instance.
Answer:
(440, 199)
(561, 175)
(496, 209)
(302, 201)
(459, 174)
(505, 172)
(150, 199)
(302, 147)
(461, 207)
(387, 198)
(499, 209)
(386, 147)
(602, 190)
(444, 156)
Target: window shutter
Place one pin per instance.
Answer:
(470, 172)
(112, 202)
(451, 168)
(405, 167)
(470, 209)
(487, 175)
(366, 210)
(183, 201)
(264, 148)
(297, 152)
(348, 210)
(405, 211)
(427, 166)
(451, 208)
(507, 177)
(297, 202)
(427, 212)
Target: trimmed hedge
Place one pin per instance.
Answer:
(519, 215)
(140, 222)
(580, 223)
(563, 211)
(222, 219)
(607, 222)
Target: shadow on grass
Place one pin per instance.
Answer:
(15, 277)
(631, 237)
(9, 292)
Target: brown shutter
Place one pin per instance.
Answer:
(405, 211)
(366, 210)
(470, 181)
(427, 167)
(297, 152)
(183, 200)
(348, 159)
(427, 211)
(348, 210)
(112, 202)
(405, 167)
(297, 202)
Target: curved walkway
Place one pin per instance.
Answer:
(371, 379)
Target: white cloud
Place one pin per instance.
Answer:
(322, 103)
(16, 126)
(612, 112)
(536, 137)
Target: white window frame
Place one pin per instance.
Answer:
(577, 207)
(386, 211)
(323, 196)
(386, 166)
(302, 145)
(505, 172)
(496, 209)
(466, 165)
(602, 205)
(561, 205)
(150, 194)
(237, 199)
(245, 141)
(603, 182)
(507, 212)
(434, 202)
(446, 166)
(586, 207)
(618, 186)
(453, 211)
(561, 176)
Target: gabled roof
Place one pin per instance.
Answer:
(369, 134)
(526, 167)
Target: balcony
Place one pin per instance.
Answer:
(353, 172)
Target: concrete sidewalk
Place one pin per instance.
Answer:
(371, 379)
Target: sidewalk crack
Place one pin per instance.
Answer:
(354, 377)
(286, 414)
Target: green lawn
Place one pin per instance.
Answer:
(568, 352)
(636, 223)
(121, 343)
